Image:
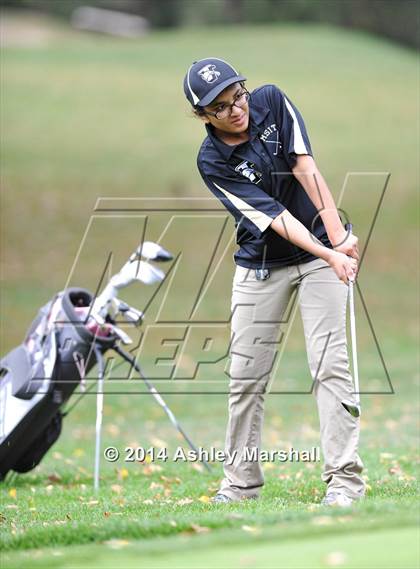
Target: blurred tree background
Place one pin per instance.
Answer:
(395, 19)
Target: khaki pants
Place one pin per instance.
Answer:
(258, 307)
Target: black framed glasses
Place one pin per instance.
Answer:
(224, 110)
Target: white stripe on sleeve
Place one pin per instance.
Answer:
(258, 218)
(298, 142)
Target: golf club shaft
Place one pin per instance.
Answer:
(349, 227)
(99, 414)
(160, 400)
(354, 342)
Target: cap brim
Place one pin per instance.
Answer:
(218, 89)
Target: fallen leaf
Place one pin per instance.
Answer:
(168, 480)
(12, 493)
(54, 478)
(78, 452)
(155, 486)
(391, 424)
(116, 488)
(322, 521)
(276, 421)
(199, 529)
(122, 473)
(158, 443)
(112, 429)
(150, 469)
(251, 529)
(395, 470)
(197, 466)
(117, 543)
(184, 501)
(205, 499)
(335, 559)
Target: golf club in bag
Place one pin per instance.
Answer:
(69, 336)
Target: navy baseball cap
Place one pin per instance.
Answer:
(207, 78)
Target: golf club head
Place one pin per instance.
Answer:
(151, 252)
(137, 271)
(133, 270)
(125, 338)
(130, 314)
(351, 408)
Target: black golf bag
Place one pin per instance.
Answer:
(40, 375)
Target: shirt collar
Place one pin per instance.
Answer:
(256, 113)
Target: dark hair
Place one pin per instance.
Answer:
(198, 111)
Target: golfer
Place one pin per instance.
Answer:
(257, 160)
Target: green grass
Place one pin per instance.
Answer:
(145, 512)
(251, 547)
(86, 117)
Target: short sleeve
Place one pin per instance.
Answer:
(250, 205)
(292, 130)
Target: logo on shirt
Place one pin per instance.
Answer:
(247, 169)
(209, 73)
(275, 140)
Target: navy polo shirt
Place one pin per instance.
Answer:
(255, 183)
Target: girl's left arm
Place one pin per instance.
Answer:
(311, 179)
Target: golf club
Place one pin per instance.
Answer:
(353, 409)
(134, 270)
(99, 413)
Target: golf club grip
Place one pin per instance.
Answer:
(349, 227)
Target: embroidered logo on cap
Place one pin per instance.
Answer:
(209, 73)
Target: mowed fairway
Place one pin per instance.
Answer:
(88, 117)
